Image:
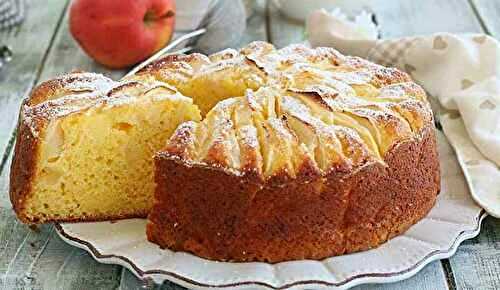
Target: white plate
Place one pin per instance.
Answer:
(454, 219)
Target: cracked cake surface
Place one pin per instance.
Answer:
(257, 154)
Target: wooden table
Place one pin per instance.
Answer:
(44, 48)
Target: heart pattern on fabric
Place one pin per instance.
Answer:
(479, 39)
(439, 43)
(487, 105)
(465, 84)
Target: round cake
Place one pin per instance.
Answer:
(301, 154)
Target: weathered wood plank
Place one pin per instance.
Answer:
(29, 43)
(396, 19)
(129, 281)
(476, 265)
(407, 17)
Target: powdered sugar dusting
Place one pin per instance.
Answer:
(379, 98)
(248, 136)
(327, 74)
(77, 92)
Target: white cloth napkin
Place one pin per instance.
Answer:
(461, 71)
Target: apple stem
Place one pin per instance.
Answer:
(150, 16)
(169, 14)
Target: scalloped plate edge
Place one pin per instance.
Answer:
(159, 275)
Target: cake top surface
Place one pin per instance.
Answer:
(313, 112)
(275, 115)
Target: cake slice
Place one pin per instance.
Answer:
(85, 145)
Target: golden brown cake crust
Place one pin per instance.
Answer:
(223, 209)
(23, 168)
(222, 217)
(227, 205)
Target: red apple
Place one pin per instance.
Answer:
(121, 33)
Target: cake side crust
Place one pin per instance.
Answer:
(214, 217)
(23, 166)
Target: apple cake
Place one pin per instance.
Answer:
(260, 154)
(318, 154)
